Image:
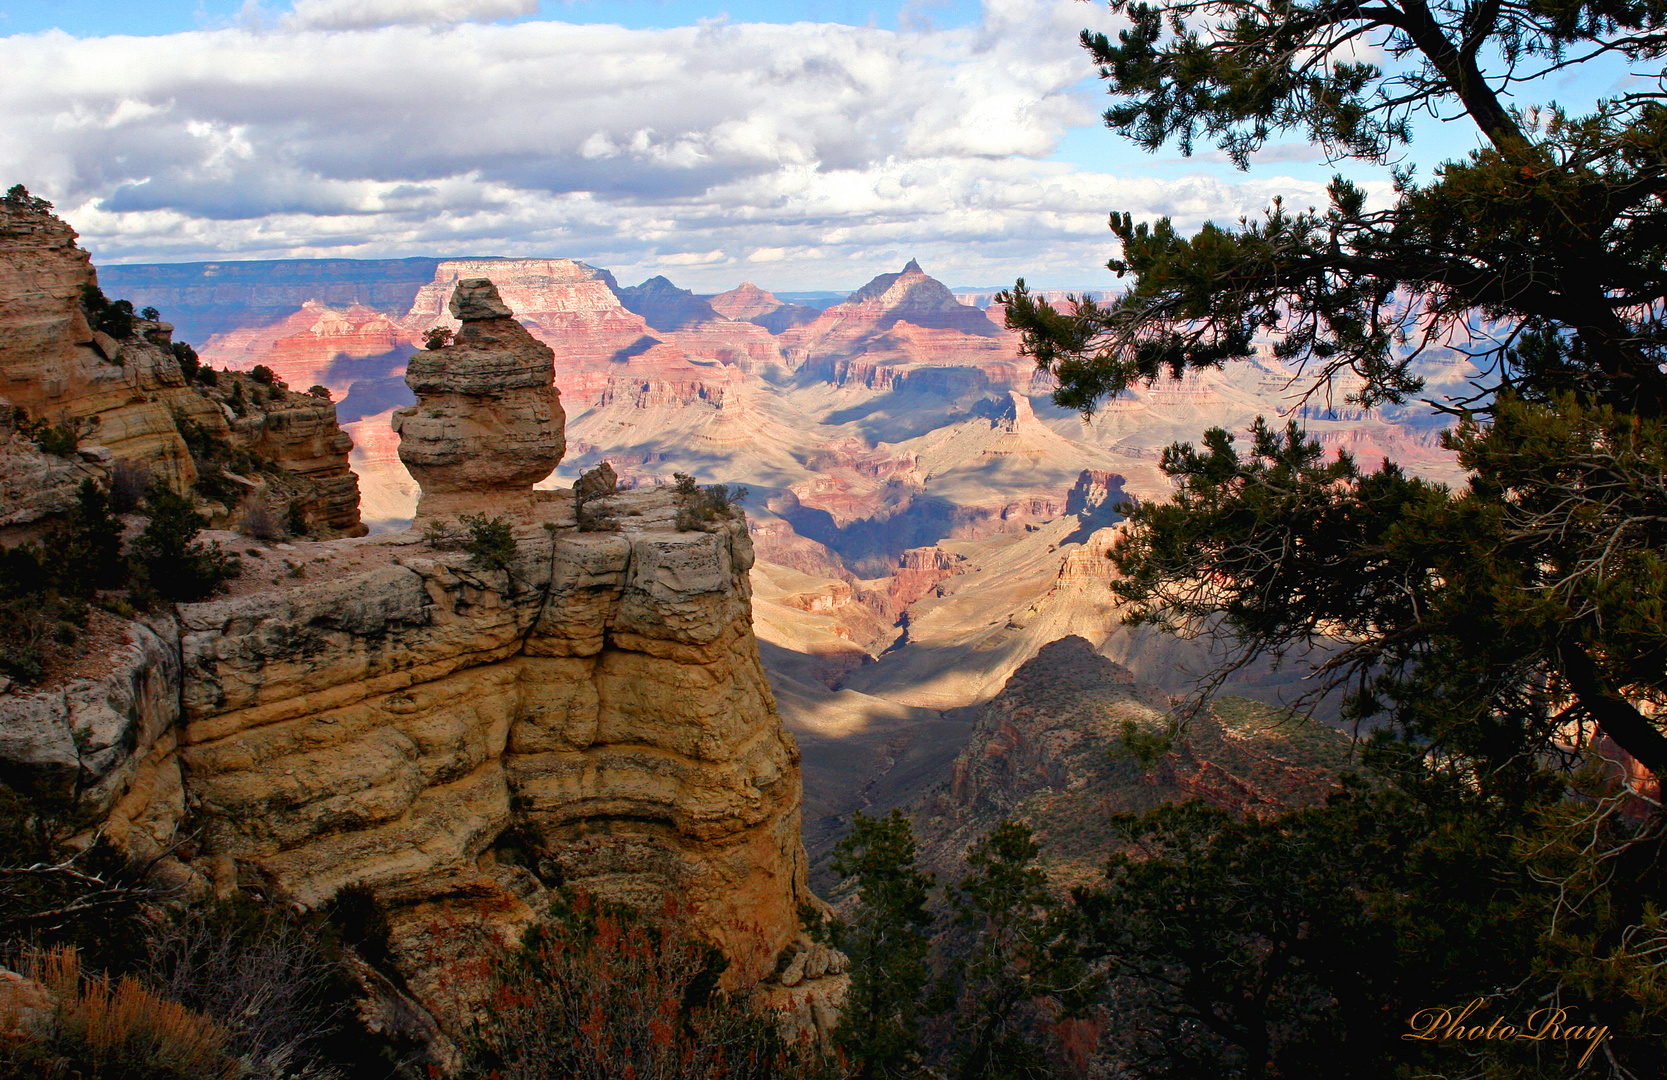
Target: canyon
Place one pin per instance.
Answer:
(925, 519)
(458, 736)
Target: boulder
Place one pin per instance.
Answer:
(488, 423)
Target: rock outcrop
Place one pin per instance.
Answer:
(118, 395)
(745, 301)
(299, 434)
(664, 306)
(128, 403)
(462, 736)
(488, 422)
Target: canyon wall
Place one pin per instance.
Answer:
(128, 402)
(459, 734)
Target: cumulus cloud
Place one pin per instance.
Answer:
(360, 14)
(708, 149)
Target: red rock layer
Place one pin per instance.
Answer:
(309, 347)
(745, 301)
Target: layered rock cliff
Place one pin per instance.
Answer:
(459, 734)
(119, 395)
(127, 402)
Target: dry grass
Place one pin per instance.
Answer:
(99, 1029)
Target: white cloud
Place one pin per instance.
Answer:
(362, 14)
(707, 148)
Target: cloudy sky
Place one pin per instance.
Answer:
(803, 145)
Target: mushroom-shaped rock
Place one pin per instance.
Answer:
(488, 422)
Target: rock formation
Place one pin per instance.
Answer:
(664, 306)
(128, 402)
(458, 736)
(117, 395)
(488, 422)
(745, 301)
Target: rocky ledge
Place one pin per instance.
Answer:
(461, 732)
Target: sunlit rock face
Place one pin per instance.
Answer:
(603, 695)
(488, 422)
(460, 736)
(121, 396)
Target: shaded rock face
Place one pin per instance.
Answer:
(664, 306)
(488, 423)
(299, 433)
(1049, 751)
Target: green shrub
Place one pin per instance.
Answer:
(45, 587)
(263, 375)
(59, 439)
(113, 317)
(887, 940)
(128, 483)
(189, 363)
(29, 624)
(213, 455)
(167, 555)
(86, 552)
(18, 195)
(699, 506)
(208, 376)
(491, 544)
(150, 314)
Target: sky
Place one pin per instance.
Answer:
(801, 146)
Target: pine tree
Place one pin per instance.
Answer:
(887, 943)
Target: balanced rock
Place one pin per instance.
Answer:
(477, 298)
(488, 422)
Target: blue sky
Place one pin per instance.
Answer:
(800, 145)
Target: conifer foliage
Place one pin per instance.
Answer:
(887, 942)
(1494, 636)
(1486, 619)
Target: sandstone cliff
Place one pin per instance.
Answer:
(588, 710)
(57, 368)
(127, 401)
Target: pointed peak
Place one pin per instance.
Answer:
(913, 268)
